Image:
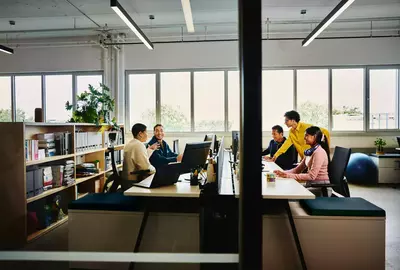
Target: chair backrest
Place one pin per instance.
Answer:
(117, 180)
(176, 146)
(337, 169)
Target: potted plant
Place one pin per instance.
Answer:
(94, 106)
(379, 143)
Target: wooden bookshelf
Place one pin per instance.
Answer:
(39, 233)
(47, 193)
(48, 159)
(13, 166)
(80, 196)
(84, 179)
(117, 147)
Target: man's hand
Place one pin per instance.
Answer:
(154, 146)
(269, 159)
(280, 174)
(179, 158)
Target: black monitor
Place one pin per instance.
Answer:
(398, 140)
(235, 144)
(220, 163)
(195, 155)
(213, 139)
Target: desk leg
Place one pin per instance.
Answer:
(295, 236)
(140, 236)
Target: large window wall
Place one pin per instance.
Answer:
(49, 91)
(342, 99)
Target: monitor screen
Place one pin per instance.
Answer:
(195, 155)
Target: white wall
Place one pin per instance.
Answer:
(51, 59)
(275, 54)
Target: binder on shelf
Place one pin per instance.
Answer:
(38, 181)
(30, 184)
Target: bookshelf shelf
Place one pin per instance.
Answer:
(47, 193)
(48, 159)
(39, 233)
(117, 147)
(84, 179)
(82, 195)
(118, 166)
(90, 151)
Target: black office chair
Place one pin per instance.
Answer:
(176, 146)
(337, 170)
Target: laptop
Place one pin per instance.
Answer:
(165, 176)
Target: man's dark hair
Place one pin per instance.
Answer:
(156, 126)
(136, 128)
(292, 115)
(278, 128)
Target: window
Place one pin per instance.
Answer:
(83, 81)
(312, 96)
(5, 100)
(233, 100)
(58, 92)
(209, 99)
(28, 91)
(277, 95)
(383, 95)
(175, 101)
(347, 99)
(142, 101)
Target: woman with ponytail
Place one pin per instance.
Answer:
(314, 166)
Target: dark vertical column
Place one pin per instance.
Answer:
(250, 221)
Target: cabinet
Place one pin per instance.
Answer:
(388, 166)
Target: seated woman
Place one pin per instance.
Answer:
(314, 166)
(136, 157)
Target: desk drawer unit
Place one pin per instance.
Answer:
(389, 169)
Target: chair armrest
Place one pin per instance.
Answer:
(141, 172)
(321, 185)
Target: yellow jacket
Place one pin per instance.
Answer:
(296, 137)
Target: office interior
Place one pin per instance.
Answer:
(347, 80)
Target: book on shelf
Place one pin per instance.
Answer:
(85, 141)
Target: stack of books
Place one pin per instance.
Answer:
(86, 169)
(69, 173)
(31, 150)
(47, 143)
(58, 175)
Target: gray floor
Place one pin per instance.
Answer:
(385, 197)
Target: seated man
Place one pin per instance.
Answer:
(136, 157)
(314, 166)
(287, 159)
(163, 155)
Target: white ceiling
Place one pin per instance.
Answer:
(212, 18)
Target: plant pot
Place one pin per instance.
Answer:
(379, 150)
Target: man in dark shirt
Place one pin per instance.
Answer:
(286, 160)
(163, 155)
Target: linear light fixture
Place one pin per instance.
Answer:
(5, 49)
(187, 12)
(116, 6)
(342, 6)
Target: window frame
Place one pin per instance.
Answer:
(43, 86)
(366, 130)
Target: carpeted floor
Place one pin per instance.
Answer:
(385, 197)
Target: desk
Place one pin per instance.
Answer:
(398, 149)
(180, 189)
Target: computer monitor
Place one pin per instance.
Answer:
(398, 140)
(213, 139)
(195, 155)
(220, 163)
(235, 144)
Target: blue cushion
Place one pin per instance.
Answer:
(106, 202)
(334, 206)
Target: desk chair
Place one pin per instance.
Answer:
(336, 171)
(176, 146)
(114, 182)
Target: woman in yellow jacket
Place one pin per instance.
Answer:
(296, 135)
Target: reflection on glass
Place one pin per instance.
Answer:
(142, 92)
(5, 100)
(58, 92)
(277, 95)
(312, 96)
(383, 88)
(347, 99)
(28, 91)
(209, 101)
(233, 100)
(83, 81)
(175, 101)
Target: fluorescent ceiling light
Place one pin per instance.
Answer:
(342, 6)
(132, 25)
(187, 11)
(5, 49)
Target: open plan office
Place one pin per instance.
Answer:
(205, 134)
